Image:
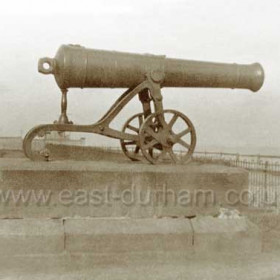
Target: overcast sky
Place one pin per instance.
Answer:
(224, 31)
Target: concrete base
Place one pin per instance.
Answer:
(109, 189)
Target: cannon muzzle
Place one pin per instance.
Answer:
(78, 67)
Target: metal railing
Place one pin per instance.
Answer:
(264, 175)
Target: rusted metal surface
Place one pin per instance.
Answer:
(154, 136)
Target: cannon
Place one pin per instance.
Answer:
(155, 134)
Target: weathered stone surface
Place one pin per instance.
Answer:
(31, 236)
(269, 225)
(226, 235)
(92, 267)
(110, 189)
(113, 236)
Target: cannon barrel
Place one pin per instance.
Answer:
(78, 67)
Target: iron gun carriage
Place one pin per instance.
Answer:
(154, 134)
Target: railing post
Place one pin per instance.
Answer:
(237, 159)
(258, 158)
(265, 182)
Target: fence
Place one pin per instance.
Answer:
(264, 176)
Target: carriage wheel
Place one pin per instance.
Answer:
(131, 148)
(170, 135)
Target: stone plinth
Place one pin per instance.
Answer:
(61, 189)
(120, 220)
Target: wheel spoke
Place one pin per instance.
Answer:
(140, 119)
(133, 128)
(151, 153)
(184, 144)
(150, 144)
(172, 155)
(183, 133)
(172, 121)
(131, 148)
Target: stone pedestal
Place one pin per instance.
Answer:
(79, 215)
(108, 189)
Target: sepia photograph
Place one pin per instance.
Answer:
(139, 140)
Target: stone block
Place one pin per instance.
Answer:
(103, 236)
(232, 236)
(31, 236)
(269, 224)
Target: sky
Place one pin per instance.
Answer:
(223, 31)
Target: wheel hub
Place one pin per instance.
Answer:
(166, 138)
